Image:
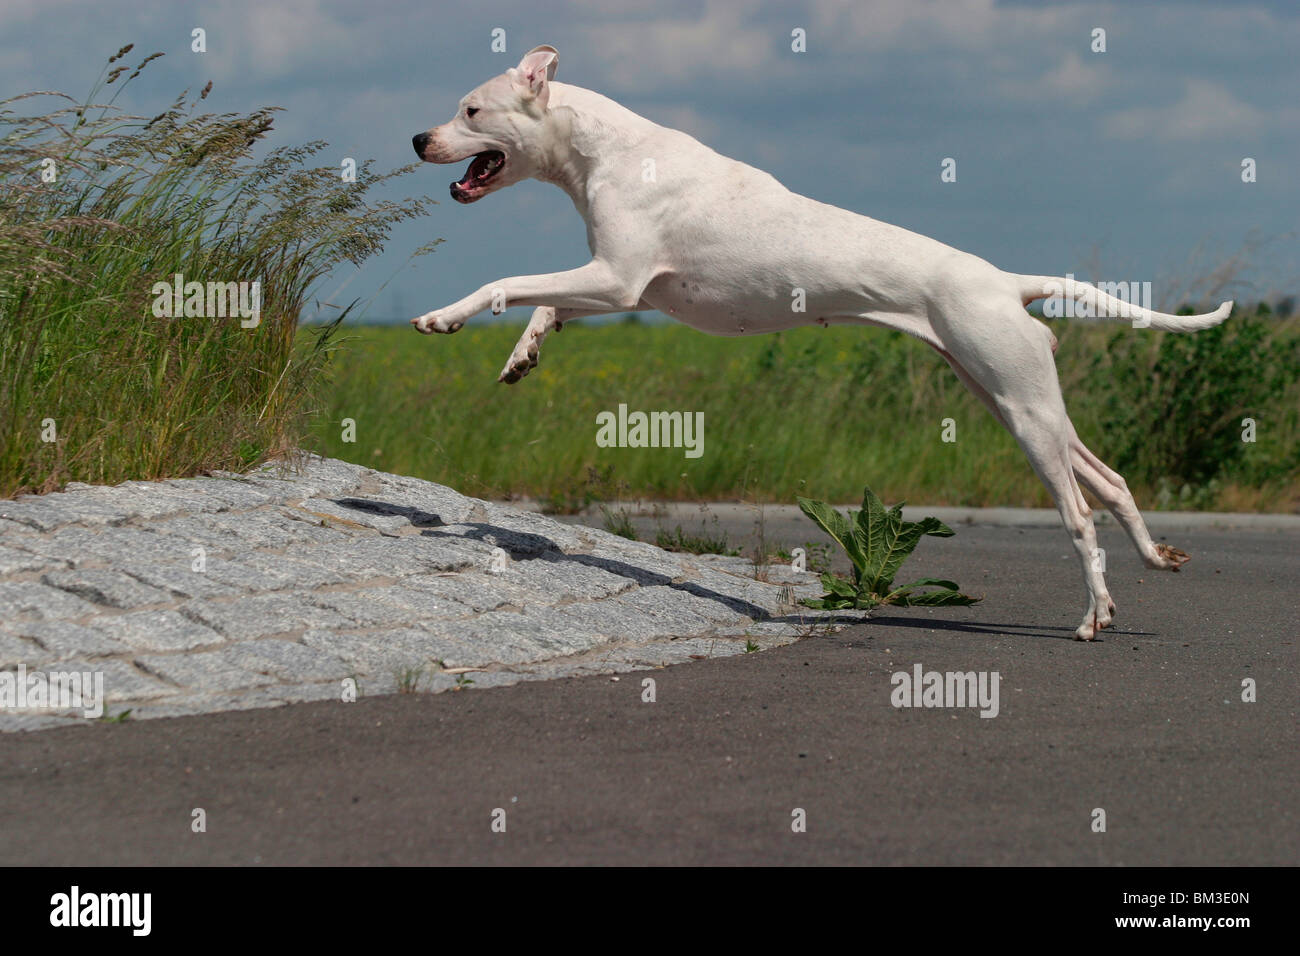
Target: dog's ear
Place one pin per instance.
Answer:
(535, 71)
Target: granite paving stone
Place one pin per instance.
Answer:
(316, 571)
(105, 586)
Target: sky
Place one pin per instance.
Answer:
(1123, 165)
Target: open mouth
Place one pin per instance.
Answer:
(482, 170)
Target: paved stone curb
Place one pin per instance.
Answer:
(239, 591)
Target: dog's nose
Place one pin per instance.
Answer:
(419, 141)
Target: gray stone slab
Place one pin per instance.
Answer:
(154, 499)
(330, 475)
(197, 530)
(644, 563)
(253, 573)
(107, 587)
(244, 531)
(263, 615)
(257, 572)
(35, 512)
(293, 572)
(571, 578)
(222, 494)
(327, 570)
(366, 608)
(67, 547)
(40, 601)
(181, 579)
(14, 650)
(430, 504)
(122, 680)
(161, 630)
(205, 670)
(15, 723)
(308, 478)
(745, 588)
(613, 621)
(371, 557)
(13, 528)
(424, 604)
(356, 512)
(14, 561)
(480, 591)
(289, 661)
(676, 604)
(114, 545)
(517, 544)
(384, 651)
(509, 637)
(562, 536)
(63, 639)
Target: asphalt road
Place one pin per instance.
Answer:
(1147, 723)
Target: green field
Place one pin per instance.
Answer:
(817, 412)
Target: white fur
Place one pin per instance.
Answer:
(722, 247)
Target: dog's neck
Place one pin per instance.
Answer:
(590, 133)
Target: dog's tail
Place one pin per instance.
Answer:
(1085, 301)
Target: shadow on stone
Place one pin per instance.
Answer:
(514, 543)
(522, 544)
(418, 518)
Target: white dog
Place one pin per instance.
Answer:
(728, 250)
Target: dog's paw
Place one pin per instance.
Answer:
(1168, 558)
(1096, 620)
(521, 362)
(432, 322)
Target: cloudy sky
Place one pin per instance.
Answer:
(1122, 165)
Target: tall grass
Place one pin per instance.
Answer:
(95, 207)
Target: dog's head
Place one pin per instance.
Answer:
(500, 124)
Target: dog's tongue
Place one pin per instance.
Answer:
(482, 165)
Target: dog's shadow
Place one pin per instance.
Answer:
(1045, 631)
(528, 546)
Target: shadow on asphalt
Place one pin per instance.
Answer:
(1007, 630)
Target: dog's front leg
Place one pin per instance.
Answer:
(593, 289)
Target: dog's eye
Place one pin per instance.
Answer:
(471, 110)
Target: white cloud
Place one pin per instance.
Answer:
(1206, 111)
(658, 52)
(926, 24)
(1072, 80)
(275, 39)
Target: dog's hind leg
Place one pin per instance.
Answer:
(1017, 381)
(1107, 485)
(1112, 491)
